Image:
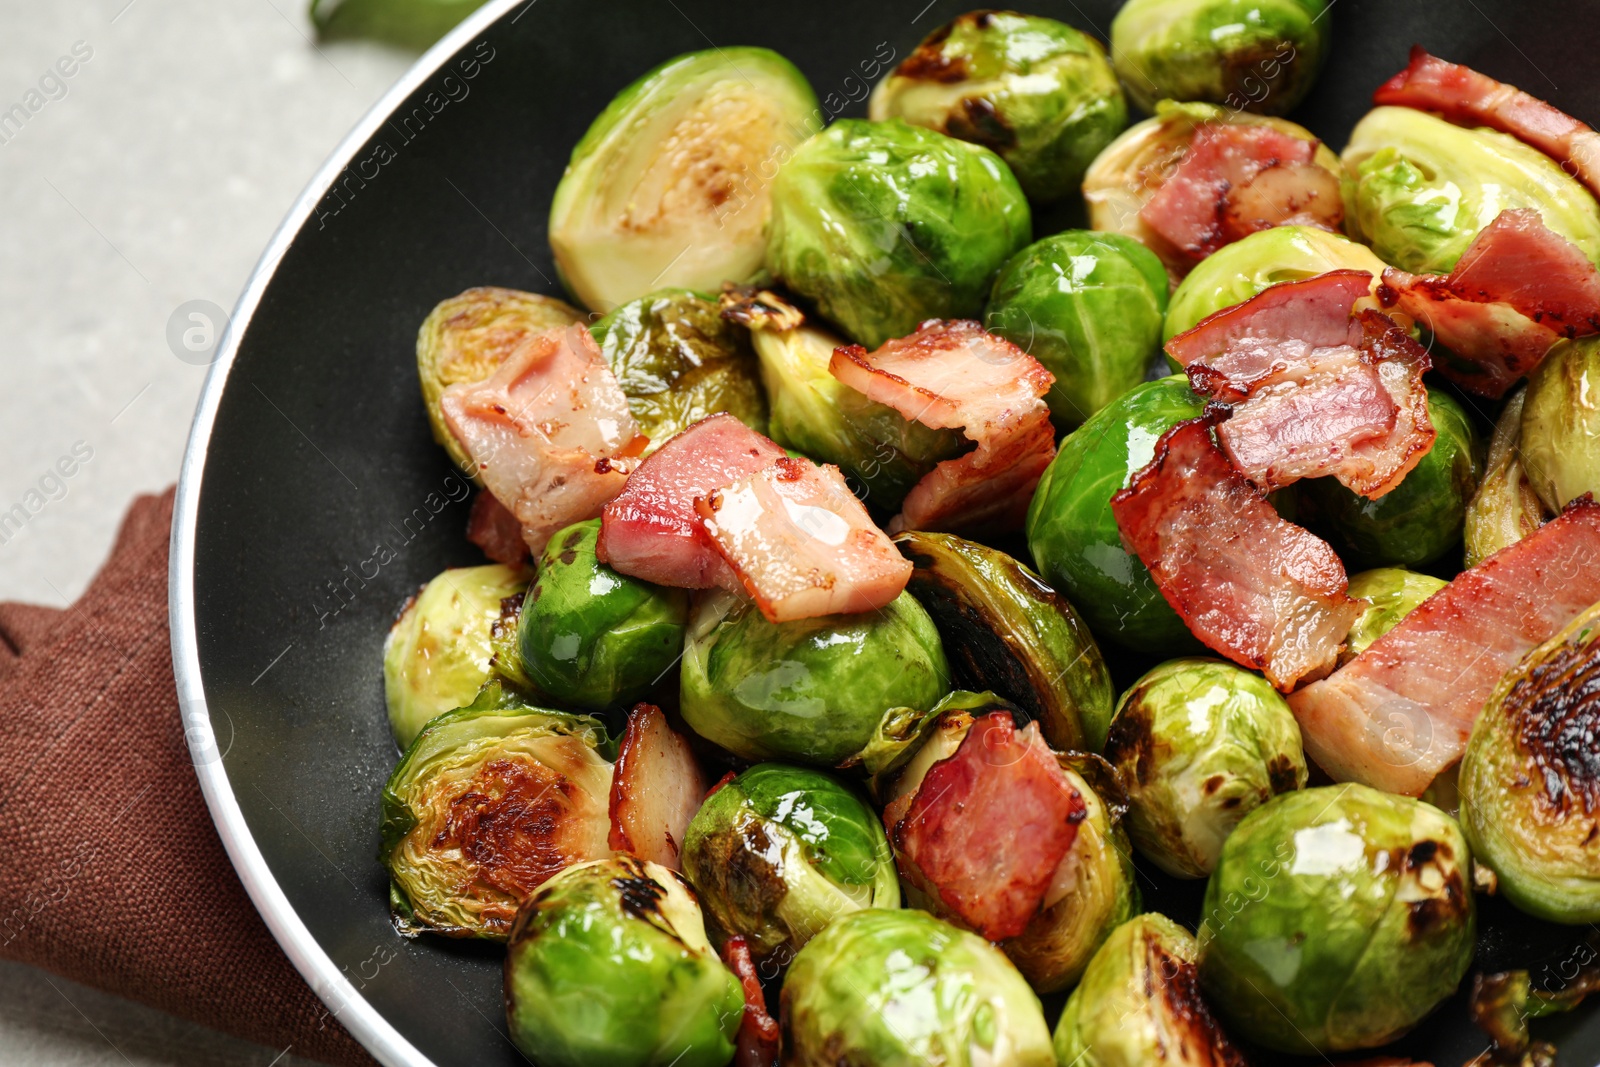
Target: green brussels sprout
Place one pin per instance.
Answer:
(671, 185)
(1530, 782)
(679, 361)
(1418, 520)
(1418, 189)
(1505, 509)
(440, 650)
(779, 852)
(1139, 1003)
(1255, 55)
(488, 802)
(1087, 305)
(1561, 424)
(609, 966)
(1336, 919)
(811, 690)
(1036, 91)
(1391, 593)
(591, 637)
(1200, 744)
(467, 337)
(884, 224)
(903, 989)
(1074, 537)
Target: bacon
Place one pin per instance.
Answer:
(652, 531)
(990, 825)
(1259, 590)
(655, 790)
(496, 531)
(954, 374)
(1401, 711)
(550, 431)
(1517, 289)
(759, 1041)
(801, 544)
(1469, 98)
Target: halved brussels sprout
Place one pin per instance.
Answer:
(1530, 779)
(467, 337)
(1006, 631)
(884, 224)
(1087, 305)
(609, 964)
(1200, 744)
(1505, 509)
(1036, 91)
(1336, 919)
(1391, 593)
(779, 852)
(488, 802)
(812, 690)
(1418, 189)
(591, 637)
(903, 989)
(1561, 424)
(1139, 1004)
(671, 185)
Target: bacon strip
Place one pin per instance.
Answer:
(496, 531)
(655, 790)
(989, 826)
(1401, 711)
(1259, 590)
(760, 1041)
(951, 374)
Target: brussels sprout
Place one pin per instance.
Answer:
(1505, 509)
(1501, 1004)
(885, 224)
(1255, 55)
(591, 637)
(1336, 919)
(488, 802)
(1073, 535)
(780, 852)
(466, 338)
(1418, 520)
(903, 989)
(812, 690)
(1418, 189)
(671, 185)
(1139, 1004)
(1561, 424)
(1088, 306)
(1200, 744)
(1036, 91)
(609, 966)
(1391, 593)
(1530, 781)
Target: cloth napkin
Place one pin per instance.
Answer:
(111, 872)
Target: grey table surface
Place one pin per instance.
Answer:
(150, 177)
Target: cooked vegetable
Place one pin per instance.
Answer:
(1037, 92)
(1560, 445)
(1336, 919)
(412, 24)
(1505, 509)
(671, 185)
(901, 731)
(884, 224)
(609, 965)
(1200, 744)
(1503, 1003)
(1391, 593)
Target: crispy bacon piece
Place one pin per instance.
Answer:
(496, 531)
(1469, 98)
(801, 544)
(759, 1041)
(951, 374)
(1517, 289)
(990, 825)
(652, 531)
(1400, 712)
(655, 790)
(1259, 590)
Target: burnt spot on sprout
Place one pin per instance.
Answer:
(930, 63)
(1130, 743)
(1172, 985)
(1282, 774)
(639, 894)
(1554, 710)
(977, 121)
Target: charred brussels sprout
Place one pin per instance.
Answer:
(1391, 593)
(884, 224)
(1505, 509)
(780, 852)
(679, 361)
(670, 186)
(1036, 91)
(812, 690)
(1561, 424)
(591, 637)
(903, 989)
(1087, 305)
(1336, 919)
(609, 966)
(1530, 779)
(1200, 744)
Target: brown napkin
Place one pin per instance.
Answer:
(111, 872)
